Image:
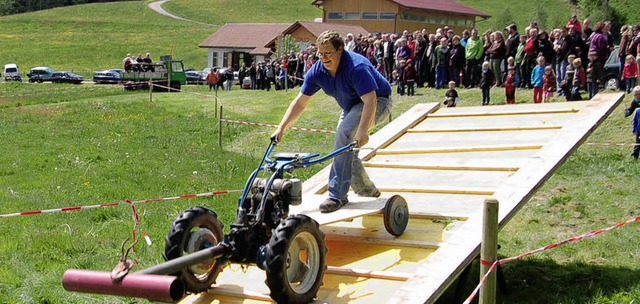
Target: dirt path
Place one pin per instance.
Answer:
(157, 6)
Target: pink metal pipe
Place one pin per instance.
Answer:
(160, 288)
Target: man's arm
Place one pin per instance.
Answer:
(297, 106)
(368, 113)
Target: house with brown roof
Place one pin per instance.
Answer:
(398, 15)
(243, 43)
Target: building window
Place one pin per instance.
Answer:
(413, 17)
(214, 58)
(335, 16)
(388, 16)
(370, 16)
(352, 16)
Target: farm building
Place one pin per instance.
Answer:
(398, 15)
(242, 43)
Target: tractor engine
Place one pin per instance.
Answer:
(248, 234)
(283, 192)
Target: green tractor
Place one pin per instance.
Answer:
(165, 75)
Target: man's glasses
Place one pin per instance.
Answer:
(326, 54)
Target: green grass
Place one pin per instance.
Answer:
(97, 36)
(65, 145)
(220, 12)
(97, 144)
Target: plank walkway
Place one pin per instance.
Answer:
(445, 163)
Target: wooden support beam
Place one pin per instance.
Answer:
(439, 191)
(243, 294)
(428, 167)
(365, 273)
(460, 149)
(508, 113)
(488, 129)
(383, 242)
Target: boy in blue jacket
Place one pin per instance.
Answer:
(634, 107)
(536, 80)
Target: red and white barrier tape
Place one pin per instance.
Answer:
(551, 246)
(610, 144)
(275, 126)
(76, 208)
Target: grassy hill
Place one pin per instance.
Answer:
(97, 36)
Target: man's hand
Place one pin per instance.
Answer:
(277, 135)
(361, 139)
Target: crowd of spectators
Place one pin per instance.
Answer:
(424, 59)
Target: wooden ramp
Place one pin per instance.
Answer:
(445, 163)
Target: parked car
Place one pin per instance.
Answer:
(612, 71)
(40, 74)
(11, 72)
(107, 76)
(66, 77)
(196, 77)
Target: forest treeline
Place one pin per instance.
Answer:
(10, 7)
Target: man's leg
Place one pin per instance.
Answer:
(360, 181)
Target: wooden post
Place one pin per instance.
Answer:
(220, 129)
(489, 250)
(215, 105)
(150, 91)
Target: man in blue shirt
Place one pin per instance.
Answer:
(364, 96)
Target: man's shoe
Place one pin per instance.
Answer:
(332, 204)
(375, 193)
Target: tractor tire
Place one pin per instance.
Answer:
(295, 260)
(195, 229)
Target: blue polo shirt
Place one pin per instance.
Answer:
(355, 77)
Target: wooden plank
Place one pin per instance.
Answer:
(485, 129)
(507, 110)
(383, 241)
(519, 108)
(431, 167)
(375, 257)
(447, 190)
(513, 121)
(420, 232)
(439, 205)
(435, 275)
(460, 139)
(400, 178)
(477, 159)
(459, 149)
(365, 273)
(357, 207)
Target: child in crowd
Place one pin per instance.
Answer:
(451, 97)
(409, 77)
(537, 80)
(510, 84)
(400, 70)
(594, 74)
(487, 80)
(511, 62)
(568, 77)
(634, 108)
(630, 72)
(548, 83)
(396, 79)
(579, 79)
